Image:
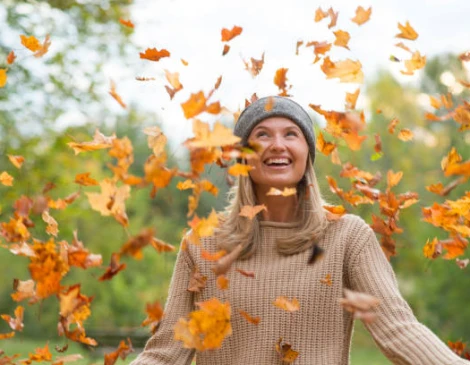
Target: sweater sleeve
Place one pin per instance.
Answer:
(161, 348)
(402, 339)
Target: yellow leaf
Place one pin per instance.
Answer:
(405, 135)
(362, 15)
(239, 169)
(342, 38)
(156, 140)
(407, 32)
(285, 192)
(286, 304)
(204, 137)
(250, 211)
(6, 179)
(347, 70)
(17, 161)
(31, 43)
(3, 77)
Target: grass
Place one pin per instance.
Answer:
(364, 351)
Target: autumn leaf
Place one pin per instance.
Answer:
(41, 354)
(222, 282)
(154, 315)
(285, 192)
(285, 351)
(156, 140)
(287, 304)
(351, 99)
(250, 319)
(206, 327)
(227, 34)
(280, 80)
(52, 226)
(85, 179)
(406, 32)
(250, 211)
(111, 200)
(203, 227)
(115, 95)
(405, 135)
(44, 47)
(327, 280)
(197, 281)
(248, 274)
(324, 147)
(341, 38)
(462, 263)
(24, 290)
(362, 15)
(393, 178)
(173, 79)
(127, 23)
(3, 77)
(319, 48)
(255, 67)
(360, 304)
(223, 264)
(204, 137)
(17, 161)
(31, 43)
(320, 14)
(100, 141)
(135, 244)
(195, 105)
(152, 54)
(11, 57)
(403, 46)
(16, 322)
(6, 179)
(113, 268)
(347, 70)
(74, 306)
(432, 249)
(333, 18)
(335, 212)
(67, 358)
(239, 169)
(415, 63)
(122, 351)
(225, 49)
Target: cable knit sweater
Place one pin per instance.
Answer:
(321, 330)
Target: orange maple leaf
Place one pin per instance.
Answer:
(256, 65)
(351, 99)
(100, 141)
(227, 34)
(250, 319)
(341, 38)
(280, 80)
(154, 315)
(204, 137)
(362, 15)
(250, 211)
(323, 146)
(320, 14)
(406, 32)
(285, 351)
(3, 77)
(127, 23)
(85, 179)
(122, 351)
(115, 95)
(6, 179)
(31, 43)
(16, 322)
(287, 304)
(113, 268)
(347, 70)
(17, 161)
(11, 57)
(152, 54)
(361, 304)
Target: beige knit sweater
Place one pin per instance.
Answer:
(321, 330)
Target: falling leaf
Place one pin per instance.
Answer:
(24, 289)
(326, 280)
(285, 192)
(113, 268)
(204, 137)
(161, 246)
(405, 135)
(62, 349)
(17, 161)
(222, 282)
(255, 67)
(392, 125)
(342, 38)
(227, 34)
(3, 77)
(393, 178)
(280, 80)
(68, 358)
(152, 54)
(31, 43)
(336, 212)
(197, 281)
(286, 352)
(16, 322)
(250, 319)
(333, 18)
(360, 304)
(407, 32)
(225, 49)
(248, 274)
(251, 211)
(347, 70)
(206, 327)
(462, 263)
(44, 47)
(6, 179)
(173, 79)
(52, 226)
(223, 264)
(320, 14)
(154, 315)
(402, 46)
(362, 15)
(415, 63)
(85, 179)
(134, 245)
(320, 48)
(212, 256)
(156, 140)
(126, 23)
(324, 147)
(122, 351)
(11, 57)
(286, 304)
(100, 141)
(115, 95)
(351, 99)
(239, 169)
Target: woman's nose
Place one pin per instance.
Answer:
(277, 144)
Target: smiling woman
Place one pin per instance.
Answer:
(283, 301)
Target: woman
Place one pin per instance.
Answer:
(277, 247)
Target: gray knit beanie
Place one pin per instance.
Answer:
(281, 107)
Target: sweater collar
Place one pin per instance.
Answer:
(263, 224)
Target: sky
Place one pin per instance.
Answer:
(191, 30)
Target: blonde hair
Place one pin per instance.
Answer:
(235, 229)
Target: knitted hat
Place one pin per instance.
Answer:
(281, 107)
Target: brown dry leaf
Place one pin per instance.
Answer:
(286, 352)
(256, 65)
(333, 18)
(415, 63)
(393, 178)
(347, 70)
(152, 54)
(223, 264)
(161, 246)
(391, 126)
(341, 38)
(222, 282)
(239, 169)
(100, 141)
(227, 34)
(324, 147)
(204, 137)
(403, 46)
(285, 192)
(135, 244)
(115, 95)
(225, 49)
(44, 47)
(327, 280)
(360, 304)
(6, 179)
(253, 320)
(67, 358)
(154, 315)
(197, 282)
(462, 263)
(251, 211)
(127, 23)
(16, 160)
(24, 289)
(407, 32)
(52, 226)
(156, 140)
(287, 304)
(362, 15)
(320, 14)
(351, 99)
(16, 322)
(405, 135)
(113, 268)
(280, 80)
(248, 274)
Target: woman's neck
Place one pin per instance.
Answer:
(278, 208)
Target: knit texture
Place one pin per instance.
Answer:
(275, 106)
(321, 330)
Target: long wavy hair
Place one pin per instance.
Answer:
(235, 229)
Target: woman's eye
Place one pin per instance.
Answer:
(292, 133)
(261, 134)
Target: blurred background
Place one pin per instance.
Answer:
(63, 97)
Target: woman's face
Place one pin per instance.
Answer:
(282, 155)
